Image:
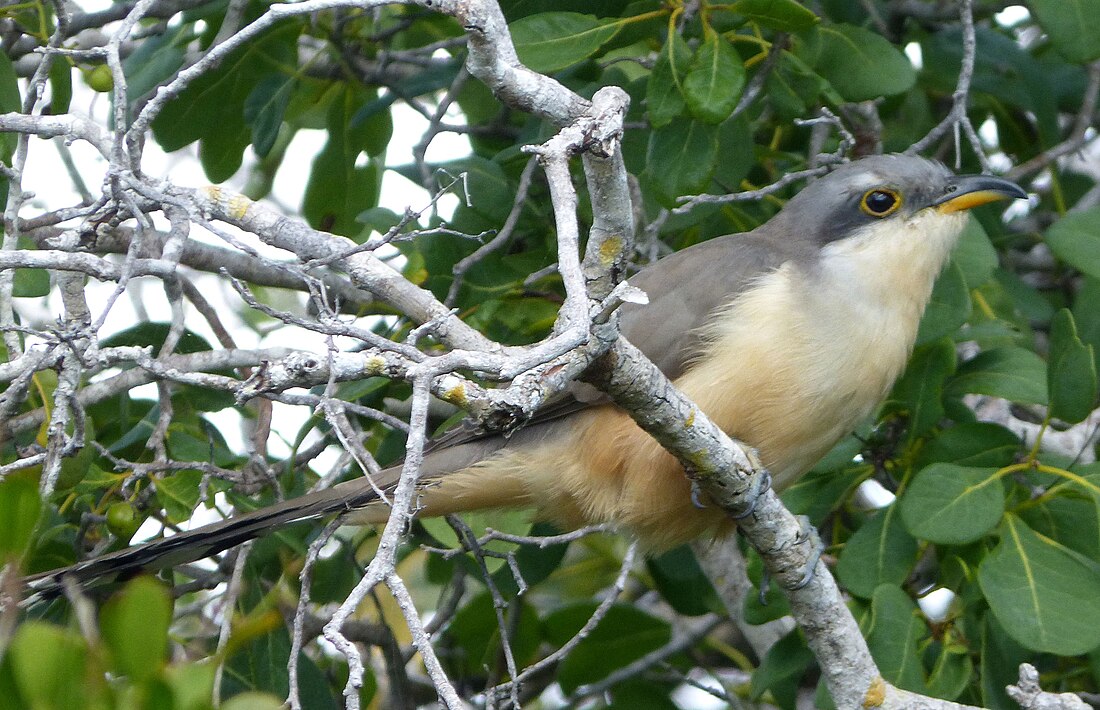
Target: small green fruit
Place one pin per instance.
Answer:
(100, 78)
(122, 520)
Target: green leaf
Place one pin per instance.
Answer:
(211, 108)
(779, 15)
(155, 59)
(1015, 296)
(951, 672)
(681, 158)
(782, 668)
(1069, 514)
(951, 504)
(134, 624)
(894, 636)
(535, 562)
(31, 283)
(636, 693)
(1001, 657)
(138, 431)
(738, 156)
(920, 389)
(260, 666)
(757, 609)
(45, 660)
(827, 486)
(550, 41)
(975, 255)
(483, 188)
(10, 102)
(948, 308)
(860, 64)
(222, 152)
(340, 187)
(513, 522)
(624, 635)
(178, 494)
(254, 701)
(972, 444)
(1075, 239)
(794, 86)
(1086, 314)
(681, 582)
(373, 131)
(714, 82)
(1071, 373)
(474, 635)
(153, 334)
(1035, 588)
(1072, 25)
(664, 98)
(1013, 373)
(264, 110)
(20, 507)
(882, 551)
(61, 86)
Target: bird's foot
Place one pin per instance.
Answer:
(807, 534)
(697, 495)
(761, 482)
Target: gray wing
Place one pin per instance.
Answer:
(687, 287)
(684, 290)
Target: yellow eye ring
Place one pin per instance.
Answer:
(880, 202)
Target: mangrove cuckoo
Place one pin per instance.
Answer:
(786, 336)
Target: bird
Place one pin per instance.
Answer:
(787, 336)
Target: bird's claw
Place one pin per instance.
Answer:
(808, 534)
(761, 482)
(697, 495)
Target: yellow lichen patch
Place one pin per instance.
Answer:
(455, 395)
(238, 206)
(610, 250)
(690, 420)
(375, 365)
(214, 192)
(235, 204)
(700, 459)
(876, 694)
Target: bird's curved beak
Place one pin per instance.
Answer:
(968, 191)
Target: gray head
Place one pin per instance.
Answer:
(884, 187)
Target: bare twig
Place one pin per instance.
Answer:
(957, 117)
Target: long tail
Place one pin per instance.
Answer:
(357, 495)
(201, 542)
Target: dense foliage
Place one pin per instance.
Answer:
(987, 444)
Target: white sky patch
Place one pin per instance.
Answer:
(916, 57)
(988, 132)
(1012, 15)
(94, 5)
(875, 495)
(936, 604)
(690, 696)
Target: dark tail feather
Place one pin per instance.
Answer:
(198, 543)
(455, 454)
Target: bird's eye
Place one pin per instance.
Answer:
(880, 202)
